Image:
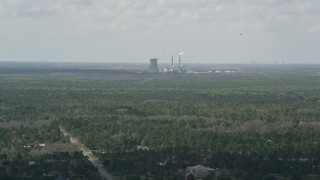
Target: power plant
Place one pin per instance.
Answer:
(174, 69)
(180, 68)
(153, 67)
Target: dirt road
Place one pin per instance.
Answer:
(87, 152)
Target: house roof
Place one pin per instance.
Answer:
(198, 168)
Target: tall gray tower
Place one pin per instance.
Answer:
(153, 67)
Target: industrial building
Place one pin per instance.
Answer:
(153, 67)
(174, 69)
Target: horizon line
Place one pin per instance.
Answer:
(126, 62)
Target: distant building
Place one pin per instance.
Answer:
(31, 163)
(189, 176)
(199, 171)
(144, 148)
(153, 67)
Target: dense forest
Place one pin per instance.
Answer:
(262, 123)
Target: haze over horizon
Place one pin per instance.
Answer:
(215, 31)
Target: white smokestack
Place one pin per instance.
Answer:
(172, 61)
(180, 59)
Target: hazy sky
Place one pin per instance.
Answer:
(136, 30)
